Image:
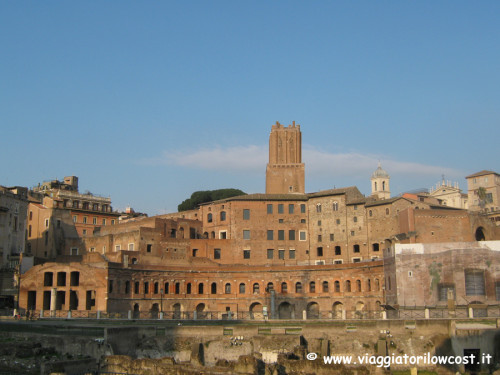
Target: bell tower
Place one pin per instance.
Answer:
(285, 172)
(380, 183)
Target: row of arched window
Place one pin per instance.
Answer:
(312, 287)
(222, 216)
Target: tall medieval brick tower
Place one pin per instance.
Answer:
(285, 172)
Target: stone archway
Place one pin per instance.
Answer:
(286, 311)
(256, 311)
(312, 310)
(154, 311)
(200, 311)
(337, 308)
(479, 235)
(177, 311)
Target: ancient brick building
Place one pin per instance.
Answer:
(282, 254)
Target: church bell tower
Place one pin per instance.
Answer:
(285, 172)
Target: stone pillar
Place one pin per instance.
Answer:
(129, 314)
(384, 315)
(293, 314)
(161, 315)
(53, 296)
(344, 314)
(304, 315)
(229, 315)
(471, 312)
(69, 314)
(41, 315)
(195, 315)
(427, 314)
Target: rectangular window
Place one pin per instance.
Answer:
(281, 254)
(270, 235)
(332, 237)
(270, 253)
(94, 220)
(74, 219)
(302, 208)
(338, 250)
(103, 221)
(131, 247)
(302, 235)
(356, 248)
(117, 248)
(149, 247)
(246, 254)
(74, 251)
(113, 222)
(281, 208)
(246, 214)
(85, 220)
(474, 283)
(46, 223)
(338, 221)
(246, 234)
(356, 260)
(269, 208)
(320, 251)
(281, 235)
(291, 208)
(337, 261)
(216, 253)
(291, 235)
(291, 254)
(320, 238)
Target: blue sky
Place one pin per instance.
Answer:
(148, 101)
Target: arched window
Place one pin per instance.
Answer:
(284, 287)
(156, 288)
(335, 206)
(213, 289)
(212, 234)
(312, 287)
(383, 185)
(337, 286)
(358, 285)
(146, 287)
(223, 216)
(256, 288)
(377, 285)
(370, 213)
(242, 288)
(227, 288)
(298, 287)
(348, 286)
(209, 217)
(369, 285)
(166, 288)
(136, 287)
(188, 288)
(200, 288)
(387, 211)
(270, 287)
(318, 207)
(325, 286)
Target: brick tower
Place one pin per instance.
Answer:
(285, 172)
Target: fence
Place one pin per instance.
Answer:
(463, 312)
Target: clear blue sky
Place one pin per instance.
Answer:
(148, 101)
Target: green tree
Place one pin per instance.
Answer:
(205, 196)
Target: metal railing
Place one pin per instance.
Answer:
(462, 312)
